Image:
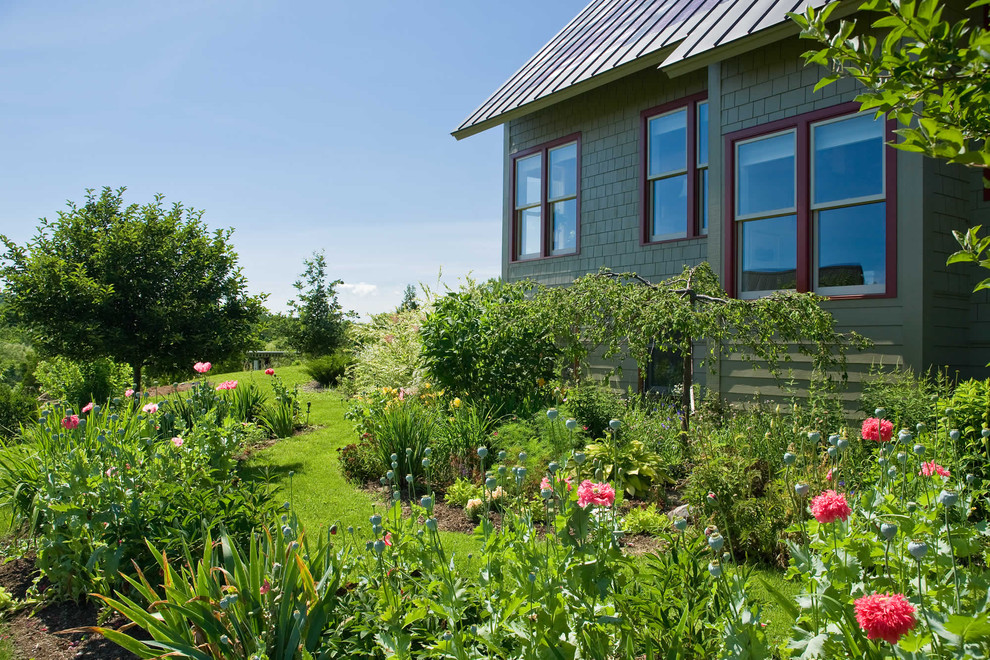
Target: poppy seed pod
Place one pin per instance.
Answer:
(715, 542)
(614, 424)
(390, 475)
(579, 457)
(426, 463)
(502, 455)
(985, 433)
(832, 452)
(892, 472)
(553, 467)
(522, 457)
(802, 489)
(879, 412)
(571, 424)
(919, 427)
(490, 483)
(888, 530)
(375, 519)
(680, 524)
(789, 458)
(409, 478)
(482, 452)
(427, 452)
(919, 450)
(901, 457)
(970, 479)
(842, 444)
(814, 436)
(948, 497)
(552, 414)
(918, 549)
(431, 524)
(501, 470)
(714, 570)
(833, 440)
(394, 457)
(426, 502)
(379, 546)
(546, 493)
(954, 435)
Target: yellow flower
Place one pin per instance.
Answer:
(456, 403)
(426, 386)
(540, 382)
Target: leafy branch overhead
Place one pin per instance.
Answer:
(916, 65)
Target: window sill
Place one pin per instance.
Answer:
(526, 260)
(682, 239)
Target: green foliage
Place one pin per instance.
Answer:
(79, 382)
(631, 465)
(594, 405)
(477, 343)
(16, 408)
(388, 352)
(907, 397)
(461, 491)
(17, 361)
(645, 520)
(321, 324)
(402, 433)
(281, 416)
(143, 285)
(916, 65)
(968, 410)
(247, 402)
(361, 462)
(409, 301)
(328, 370)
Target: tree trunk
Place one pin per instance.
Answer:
(137, 377)
(687, 396)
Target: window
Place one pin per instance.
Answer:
(545, 200)
(675, 170)
(811, 206)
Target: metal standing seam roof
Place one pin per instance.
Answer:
(609, 34)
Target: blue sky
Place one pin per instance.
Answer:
(304, 126)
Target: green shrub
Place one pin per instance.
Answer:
(387, 353)
(475, 344)
(970, 406)
(461, 491)
(361, 462)
(630, 465)
(247, 402)
(906, 397)
(594, 405)
(78, 383)
(16, 408)
(329, 369)
(17, 360)
(645, 520)
(404, 430)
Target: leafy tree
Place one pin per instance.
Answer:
(409, 301)
(321, 325)
(626, 314)
(929, 72)
(145, 285)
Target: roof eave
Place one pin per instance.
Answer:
(653, 59)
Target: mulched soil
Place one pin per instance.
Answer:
(38, 634)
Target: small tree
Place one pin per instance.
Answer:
(409, 301)
(321, 323)
(627, 315)
(144, 285)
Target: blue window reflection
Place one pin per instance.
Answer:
(529, 232)
(669, 208)
(668, 143)
(563, 172)
(529, 188)
(703, 133)
(848, 159)
(852, 246)
(769, 254)
(703, 201)
(766, 179)
(564, 226)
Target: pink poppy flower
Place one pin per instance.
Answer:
(829, 507)
(931, 468)
(70, 422)
(202, 367)
(150, 408)
(869, 430)
(885, 616)
(546, 485)
(111, 471)
(178, 442)
(269, 372)
(601, 494)
(828, 476)
(265, 587)
(87, 407)
(227, 385)
(388, 538)
(128, 392)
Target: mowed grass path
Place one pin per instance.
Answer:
(321, 496)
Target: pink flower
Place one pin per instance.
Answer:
(829, 507)
(546, 485)
(178, 442)
(227, 385)
(70, 422)
(885, 616)
(202, 367)
(828, 476)
(150, 408)
(931, 468)
(601, 494)
(711, 496)
(265, 587)
(128, 392)
(87, 407)
(388, 539)
(869, 430)
(269, 372)
(110, 472)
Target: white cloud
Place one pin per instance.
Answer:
(360, 289)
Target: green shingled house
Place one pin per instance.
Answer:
(650, 134)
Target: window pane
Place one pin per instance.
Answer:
(529, 232)
(765, 175)
(668, 143)
(848, 159)
(563, 171)
(669, 205)
(528, 183)
(769, 254)
(564, 226)
(703, 133)
(703, 201)
(852, 246)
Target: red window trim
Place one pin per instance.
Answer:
(544, 202)
(693, 219)
(801, 124)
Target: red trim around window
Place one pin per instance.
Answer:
(691, 129)
(545, 218)
(801, 124)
